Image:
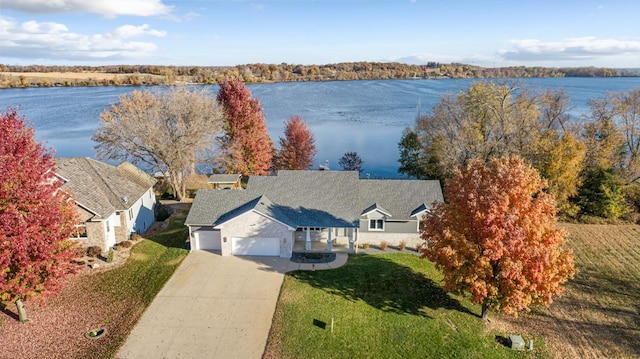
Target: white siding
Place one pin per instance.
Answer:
(109, 230)
(140, 216)
(252, 224)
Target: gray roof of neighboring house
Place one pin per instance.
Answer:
(102, 188)
(314, 199)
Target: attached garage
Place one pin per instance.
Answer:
(255, 246)
(208, 239)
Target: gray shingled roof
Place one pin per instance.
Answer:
(100, 187)
(314, 199)
(300, 198)
(400, 198)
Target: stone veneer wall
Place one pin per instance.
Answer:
(95, 235)
(121, 231)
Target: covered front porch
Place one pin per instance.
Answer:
(316, 239)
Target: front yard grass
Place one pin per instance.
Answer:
(383, 306)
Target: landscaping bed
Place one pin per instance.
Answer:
(112, 299)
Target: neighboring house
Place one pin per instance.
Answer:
(275, 212)
(225, 181)
(112, 202)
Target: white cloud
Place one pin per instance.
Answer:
(103, 7)
(53, 41)
(583, 48)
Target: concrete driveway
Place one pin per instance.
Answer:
(212, 307)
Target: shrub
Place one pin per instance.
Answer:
(136, 237)
(110, 255)
(162, 213)
(126, 244)
(403, 245)
(384, 245)
(168, 194)
(93, 251)
(364, 246)
(418, 246)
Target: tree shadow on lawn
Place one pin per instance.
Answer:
(9, 312)
(175, 235)
(383, 284)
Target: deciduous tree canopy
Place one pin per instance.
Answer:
(36, 218)
(246, 144)
(297, 148)
(351, 161)
(170, 131)
(496, 237)
(492, 121)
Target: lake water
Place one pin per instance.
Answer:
(362, 116)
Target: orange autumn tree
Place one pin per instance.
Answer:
(297, 148)
(246, 144)
(497, 237)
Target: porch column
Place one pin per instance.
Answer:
(329, 242)
(351, 241)
(307, 241)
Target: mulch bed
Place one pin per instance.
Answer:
(57, 327)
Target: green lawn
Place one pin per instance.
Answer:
(138, 281)
(383, 306)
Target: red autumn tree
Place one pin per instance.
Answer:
(246, 144)
(497, 237)
(36, 219)
(297, 148)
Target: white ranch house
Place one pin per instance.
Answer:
(308, 211)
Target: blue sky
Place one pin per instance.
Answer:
(232, 32)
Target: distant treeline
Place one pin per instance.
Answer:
(114, 75)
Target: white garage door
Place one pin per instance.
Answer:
(255, 246)
(208, 240)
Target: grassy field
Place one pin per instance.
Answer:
(392, 306)
(599, 314)
(382, 306)
(25, 79)
(113, 299)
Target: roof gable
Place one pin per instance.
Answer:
(101, 188)
(314, 199)
(375, 208)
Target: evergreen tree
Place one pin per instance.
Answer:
(602, 194)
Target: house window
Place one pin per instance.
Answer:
(130, 213)
(376, 224)
(80, 231)
(108, 227)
